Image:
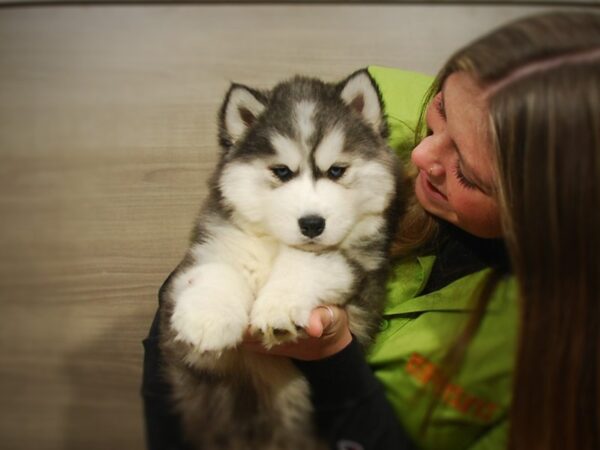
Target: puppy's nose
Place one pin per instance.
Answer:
(311, 226)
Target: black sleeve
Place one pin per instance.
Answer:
(161, 423)
(351, 409)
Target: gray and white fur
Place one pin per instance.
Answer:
(301, 212)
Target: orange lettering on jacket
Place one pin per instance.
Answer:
(451, 394)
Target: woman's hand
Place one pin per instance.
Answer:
(327, 331)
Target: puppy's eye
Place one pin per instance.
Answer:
(336, 172)
(283, 173)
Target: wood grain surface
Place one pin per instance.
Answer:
(107, 137)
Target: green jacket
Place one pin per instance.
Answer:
(470, 410)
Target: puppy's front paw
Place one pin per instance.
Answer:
(208, 324)
(279, 316)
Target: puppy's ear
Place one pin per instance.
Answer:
(240, 109)
(360, 92)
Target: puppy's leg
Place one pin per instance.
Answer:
(211, 307)
(299, 282)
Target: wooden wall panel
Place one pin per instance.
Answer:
(107, 137)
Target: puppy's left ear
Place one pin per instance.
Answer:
(239, 112)
(360, 92)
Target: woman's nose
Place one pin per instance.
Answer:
(426, 156)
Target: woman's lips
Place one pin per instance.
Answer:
(431, 189)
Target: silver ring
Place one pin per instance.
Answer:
(328, 308)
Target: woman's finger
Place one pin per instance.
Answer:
(321, 318)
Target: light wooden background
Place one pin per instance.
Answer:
(107, 137)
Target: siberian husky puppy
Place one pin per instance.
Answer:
(301, 212)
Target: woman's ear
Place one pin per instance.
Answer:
(239, 112)
(360, 92)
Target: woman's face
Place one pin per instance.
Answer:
(456, 175)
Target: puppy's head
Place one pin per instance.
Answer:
(307, 162)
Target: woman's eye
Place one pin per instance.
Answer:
(336, 172)
(464, 181)
(438, 103)
(283, 173)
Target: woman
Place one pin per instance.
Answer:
(513, 151)
(511, 157)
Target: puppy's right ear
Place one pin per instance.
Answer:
(240, 109)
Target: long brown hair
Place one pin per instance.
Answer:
(542, 74)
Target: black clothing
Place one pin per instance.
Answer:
(162, 425)
(351, 410)
(460, 253)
